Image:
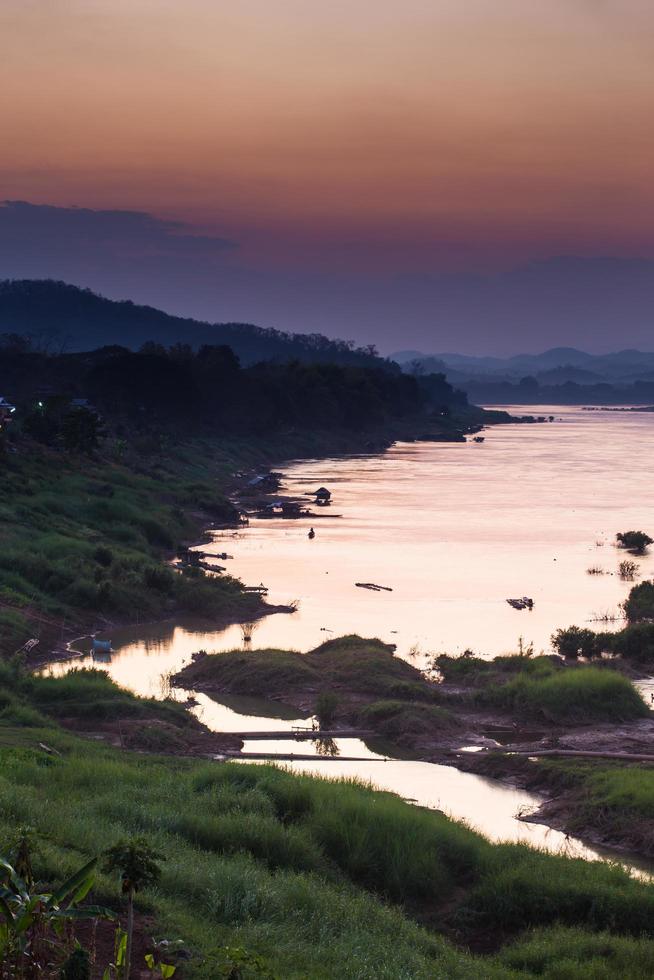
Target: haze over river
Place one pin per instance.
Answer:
(454, 529)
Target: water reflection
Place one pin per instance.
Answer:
(454, 529)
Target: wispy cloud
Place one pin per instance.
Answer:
(60, 237)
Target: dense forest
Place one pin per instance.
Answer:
(529, 391)
(58, 316)
(183, 391)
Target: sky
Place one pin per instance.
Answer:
(470, 175)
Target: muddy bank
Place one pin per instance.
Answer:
(156, 736)
(604, 797)
(71, 640)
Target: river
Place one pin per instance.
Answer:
(454, 530)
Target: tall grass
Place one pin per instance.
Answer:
(575, 695)
(324, 879)
(77, 542)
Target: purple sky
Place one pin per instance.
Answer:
(466, 176)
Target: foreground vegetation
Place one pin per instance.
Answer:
(544, 688)
(320, 879)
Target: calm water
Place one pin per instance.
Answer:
(454, 530)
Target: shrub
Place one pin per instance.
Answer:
(158, 578)
(639, 605)
(327, 708)
(574, 642)
(635, 642)
(634, 541)
(627, 570)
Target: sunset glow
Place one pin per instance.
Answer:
(326, 138)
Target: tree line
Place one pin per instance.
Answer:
(180, 390)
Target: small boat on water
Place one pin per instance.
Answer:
(524, 603)
(478, 438)
(102, 646)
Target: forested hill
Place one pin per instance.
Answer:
(59, 316)
(181, 391)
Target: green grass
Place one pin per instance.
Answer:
(257, 673)
(322, 878)
(609, 798)
(545, 689)
(405, 722)
(359, 666)
(81, 539)
(577, 695)
(557, 954)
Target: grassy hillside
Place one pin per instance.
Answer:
(83, 541)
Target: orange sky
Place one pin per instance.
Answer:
(395, 128)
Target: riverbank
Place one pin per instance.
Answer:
(501, 718)
(321, 879)
(86, 541)
(605, 801)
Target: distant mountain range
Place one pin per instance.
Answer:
(558, 366)
(63, 317)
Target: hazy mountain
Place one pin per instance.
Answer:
(555, 366)
(61, 316)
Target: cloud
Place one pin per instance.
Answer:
(595, 302)
(39, 239)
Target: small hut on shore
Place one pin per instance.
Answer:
(323, 496)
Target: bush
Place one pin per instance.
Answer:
(574, 642)
(158, 578)
(634, 541)
(327, 708)
(627, 570)
(635, 642)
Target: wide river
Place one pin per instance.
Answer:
(454, 530)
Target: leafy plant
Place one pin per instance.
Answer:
(575, 642)
(33, 923)
(117, 967)
(236, 963)
(163, 948)
(137, 865)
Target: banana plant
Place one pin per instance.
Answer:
(33, 923)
